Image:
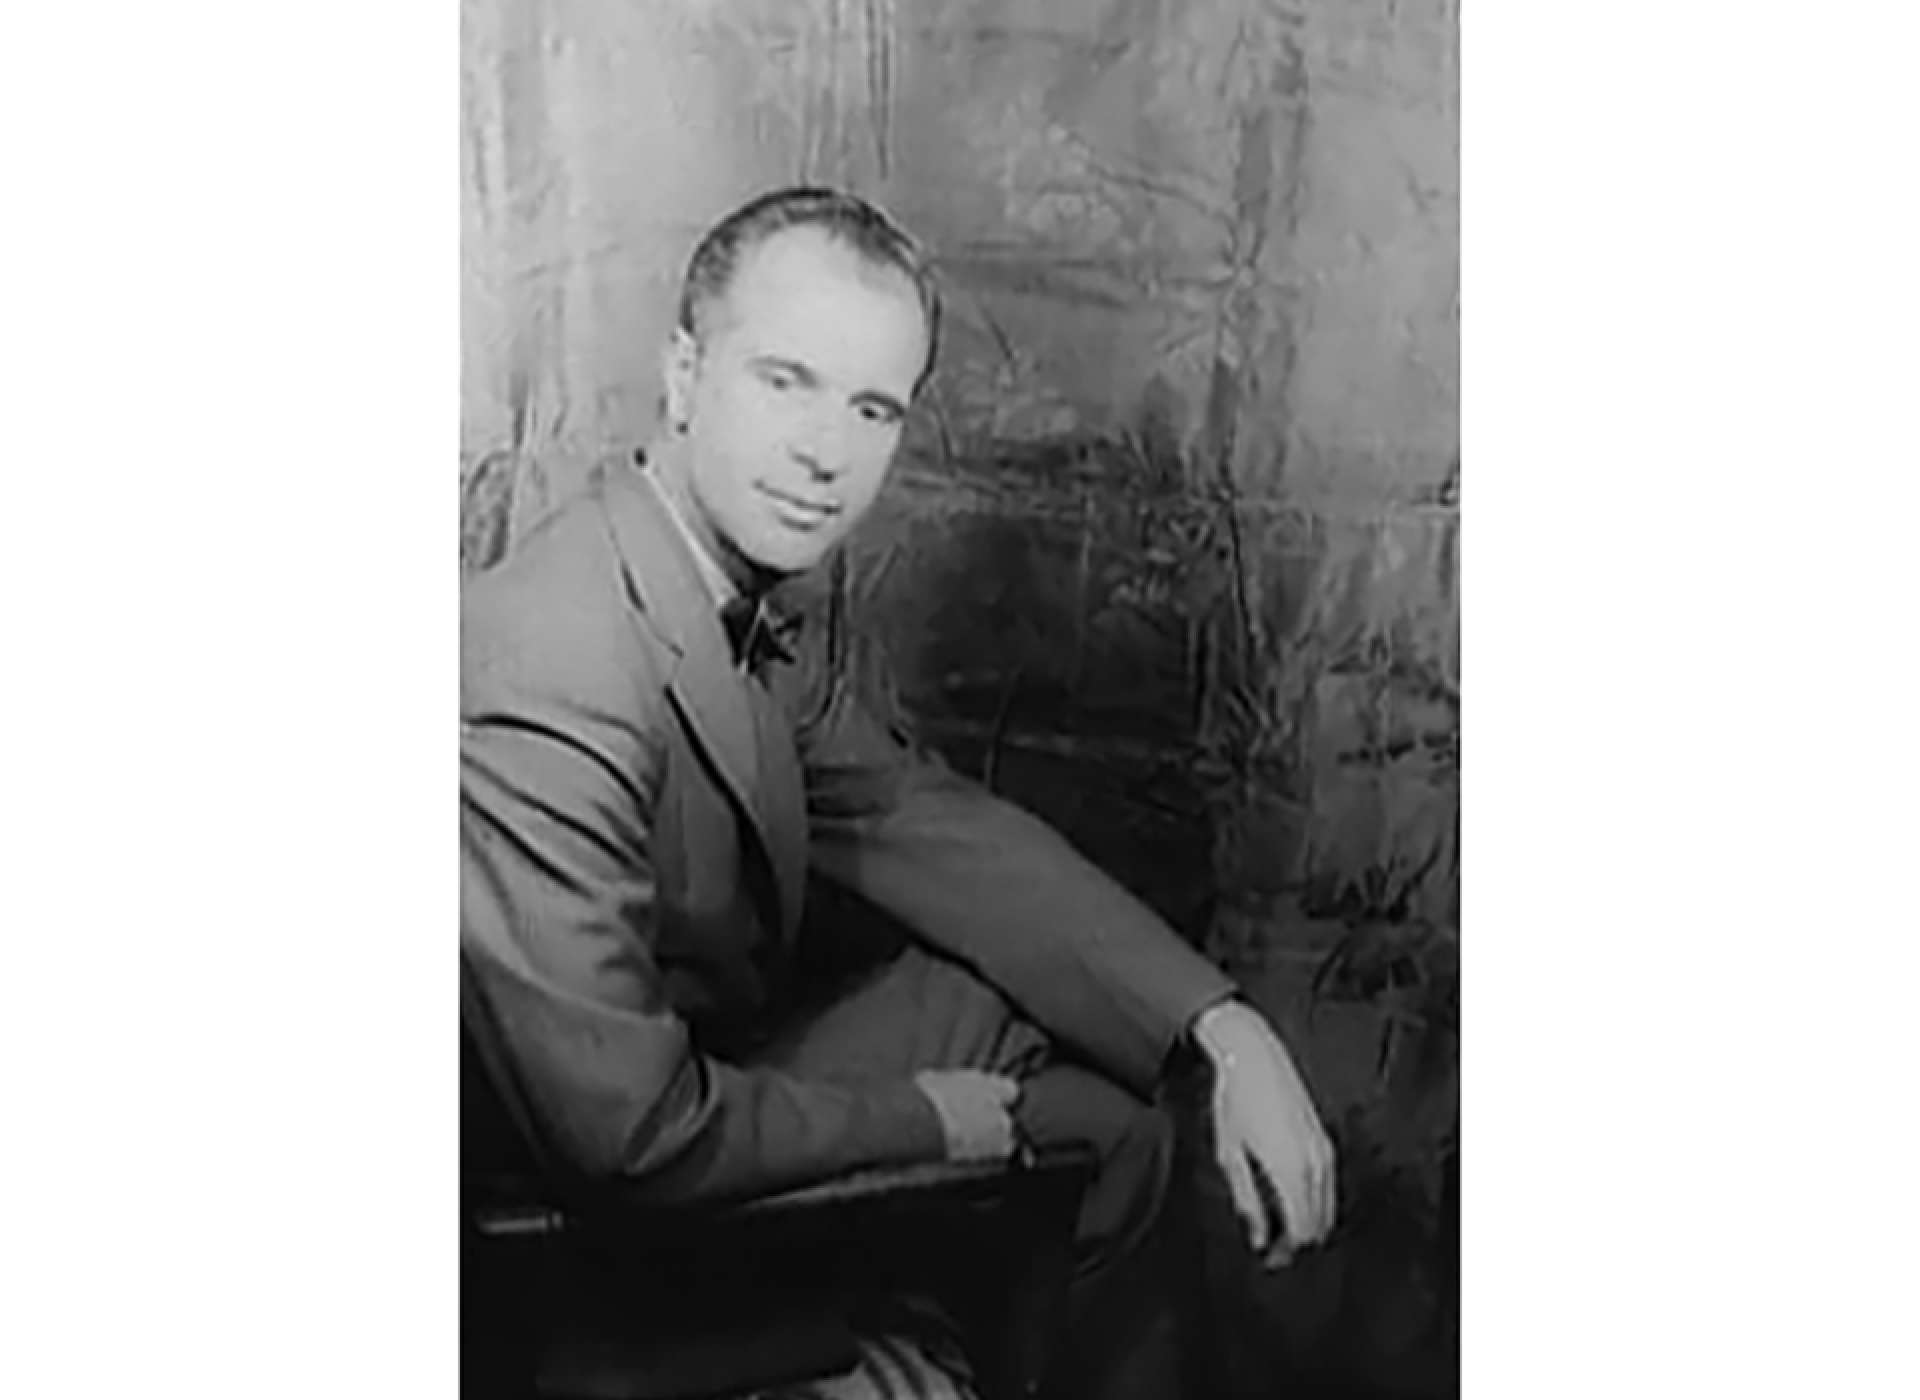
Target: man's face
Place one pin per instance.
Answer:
(795, 396)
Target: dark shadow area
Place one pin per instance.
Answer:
(1069, 643)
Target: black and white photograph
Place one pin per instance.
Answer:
(955, 833)
(960, 692)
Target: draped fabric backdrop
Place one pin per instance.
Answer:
(1171, 554)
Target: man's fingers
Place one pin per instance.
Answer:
(1293, 1195)
(1293, 1176)
(1329, 1181)
(1006, 1092)
(998, 1087)
(1246, 1196)
(1329, 1188)
(1318, 1221)
(1303, 1194)
(1008, 1140)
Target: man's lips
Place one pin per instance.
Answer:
(799, 508)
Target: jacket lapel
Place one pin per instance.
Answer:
(784, 804)
(734, 721)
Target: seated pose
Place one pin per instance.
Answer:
(654, 764)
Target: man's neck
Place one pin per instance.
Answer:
(668, 470)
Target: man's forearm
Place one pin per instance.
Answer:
(994, 886)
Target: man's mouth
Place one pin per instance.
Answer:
(797, 511)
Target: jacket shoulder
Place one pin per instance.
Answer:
(557, 616)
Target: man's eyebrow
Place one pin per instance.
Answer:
(794, 367)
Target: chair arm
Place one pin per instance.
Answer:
(515, 1208)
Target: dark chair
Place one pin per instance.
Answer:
(571, 1294)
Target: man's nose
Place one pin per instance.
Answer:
(819, 449)
(819, 466)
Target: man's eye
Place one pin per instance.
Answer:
(779, 378)
(878, 416)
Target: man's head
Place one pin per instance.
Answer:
(807, 324)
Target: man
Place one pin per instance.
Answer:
(644, 799)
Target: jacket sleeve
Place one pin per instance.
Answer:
(994, 886)
(559, 776)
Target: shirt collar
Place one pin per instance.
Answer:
(712, 576)
(762, 627)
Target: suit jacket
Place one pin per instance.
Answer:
(639, 817)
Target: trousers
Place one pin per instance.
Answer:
(923, 1011)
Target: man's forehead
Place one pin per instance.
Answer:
(809, 261)
(806, 295)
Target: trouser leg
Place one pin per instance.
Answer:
(921, 1011)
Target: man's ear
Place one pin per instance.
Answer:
(679, 369)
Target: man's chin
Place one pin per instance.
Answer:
(785, 557)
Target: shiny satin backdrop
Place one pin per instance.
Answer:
(1171, 553)
(1199, 394)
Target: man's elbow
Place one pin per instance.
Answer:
(638, 1137)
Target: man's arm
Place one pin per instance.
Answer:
(994, 886)
(558, 782)
(1091, 964)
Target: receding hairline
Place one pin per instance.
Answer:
(875, 273)
(872, 236)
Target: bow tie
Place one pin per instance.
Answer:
(756, 633)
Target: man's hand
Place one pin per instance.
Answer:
(975, 1111)
(1264, 1122)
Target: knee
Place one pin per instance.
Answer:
(1133, 1148)
(1130, 1183)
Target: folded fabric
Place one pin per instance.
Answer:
(891, 1367)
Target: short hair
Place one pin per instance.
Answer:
(844, 217)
